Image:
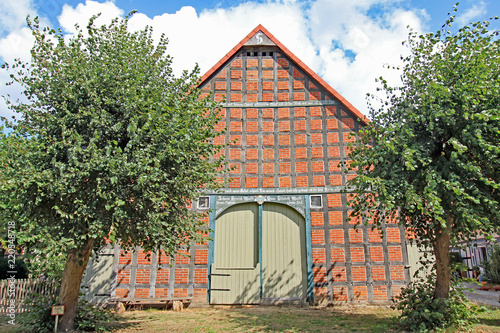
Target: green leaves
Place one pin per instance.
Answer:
(420, 312)
(111, 144)
(436, 140)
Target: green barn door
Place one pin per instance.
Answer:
(235, 273)
(284, 270)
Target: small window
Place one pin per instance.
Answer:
(203, 202)
(264, 54)
(316, 201)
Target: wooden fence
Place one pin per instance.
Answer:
(13, 293)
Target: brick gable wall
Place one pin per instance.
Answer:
(296, 140)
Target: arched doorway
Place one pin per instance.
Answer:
(259, 254)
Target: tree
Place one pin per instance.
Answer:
(110, 148)
(430, 158)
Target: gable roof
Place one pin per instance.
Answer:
(252, 36)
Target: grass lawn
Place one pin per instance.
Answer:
(259, 319)
(276, 319)
(268, 319)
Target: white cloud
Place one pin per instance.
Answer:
(18, 40)
(338, 27)
(476, 11)
(16, 45)
(206, 37)
(83, 12)
(13, 15)
(15, 38)
(15, 42)
(319, 32)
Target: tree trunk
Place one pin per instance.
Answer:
(70, 284)
(442, 254)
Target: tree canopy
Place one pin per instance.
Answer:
(431, 155)
(110, 147)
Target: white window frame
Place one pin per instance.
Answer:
(203, 207)
(311, 201)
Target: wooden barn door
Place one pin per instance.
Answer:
(236, 275)
(284, 269)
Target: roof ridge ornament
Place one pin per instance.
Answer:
(260, 39)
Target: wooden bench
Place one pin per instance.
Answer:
(175, 303)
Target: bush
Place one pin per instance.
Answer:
(38, 318)
(420, 312)
(492, 265)
(91, 318)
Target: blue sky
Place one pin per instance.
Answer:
(347, 42)
(436, 9)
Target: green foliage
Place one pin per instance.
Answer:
(90, 318)
(46, 261)
(420, 312)
(492, 265)
(39, 318)
(110, 146)
(431, 155)
(430, 158)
